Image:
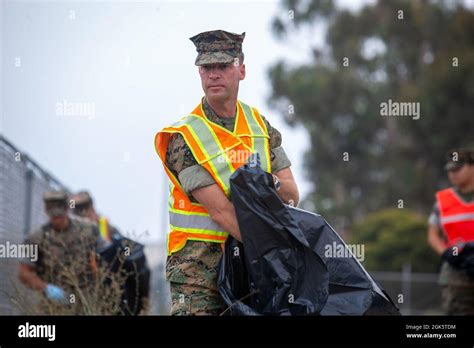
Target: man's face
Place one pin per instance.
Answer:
(57, 213)
(220, 82)
(84, 212)
(461, 175)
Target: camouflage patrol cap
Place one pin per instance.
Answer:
(456, 158)
(55, 203)
(59, 196)
(82, 198)
(82, 201)
(217, 46)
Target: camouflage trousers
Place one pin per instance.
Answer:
(192, 273)
(457, 291)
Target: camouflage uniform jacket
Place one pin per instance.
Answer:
(65, 256)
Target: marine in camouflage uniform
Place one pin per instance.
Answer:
(84, 208)
(457, 288)
(192, 271)
(66, 258)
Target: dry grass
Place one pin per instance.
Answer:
(91, 287)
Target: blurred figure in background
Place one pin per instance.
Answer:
(66, 254)
(121, 255)
(451, 234)
(84, 207)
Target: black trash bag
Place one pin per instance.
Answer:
(466, 257)
(282, 266)
(125, 256)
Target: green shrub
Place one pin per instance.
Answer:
(394, 237)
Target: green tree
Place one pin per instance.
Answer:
(394, 237)
(406, 51)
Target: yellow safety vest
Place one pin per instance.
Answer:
(220, 152)
(104, 228)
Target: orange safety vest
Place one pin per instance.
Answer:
(456, 217)
(220, 152)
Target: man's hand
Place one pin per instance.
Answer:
(222, 210)
(452, 256)
(461, 257)
(219, 207)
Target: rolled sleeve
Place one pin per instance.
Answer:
(195, 177)
(280, 160)
(433, 220)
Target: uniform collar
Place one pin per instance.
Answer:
(214, 117)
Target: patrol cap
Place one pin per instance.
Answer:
(217, 46)
(456, 158)
(59, 196)
(82, 198)
(56, 203)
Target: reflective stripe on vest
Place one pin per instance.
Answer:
(215, 154)
(456, 217)
(260, 144)
(220, 152)
(194, 222)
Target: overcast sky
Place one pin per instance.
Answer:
(132, 64)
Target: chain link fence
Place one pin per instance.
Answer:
(22, 184)
(413, 293)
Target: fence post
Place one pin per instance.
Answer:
(406, 287)
(28, 201)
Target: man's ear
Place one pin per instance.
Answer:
(241, 71)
